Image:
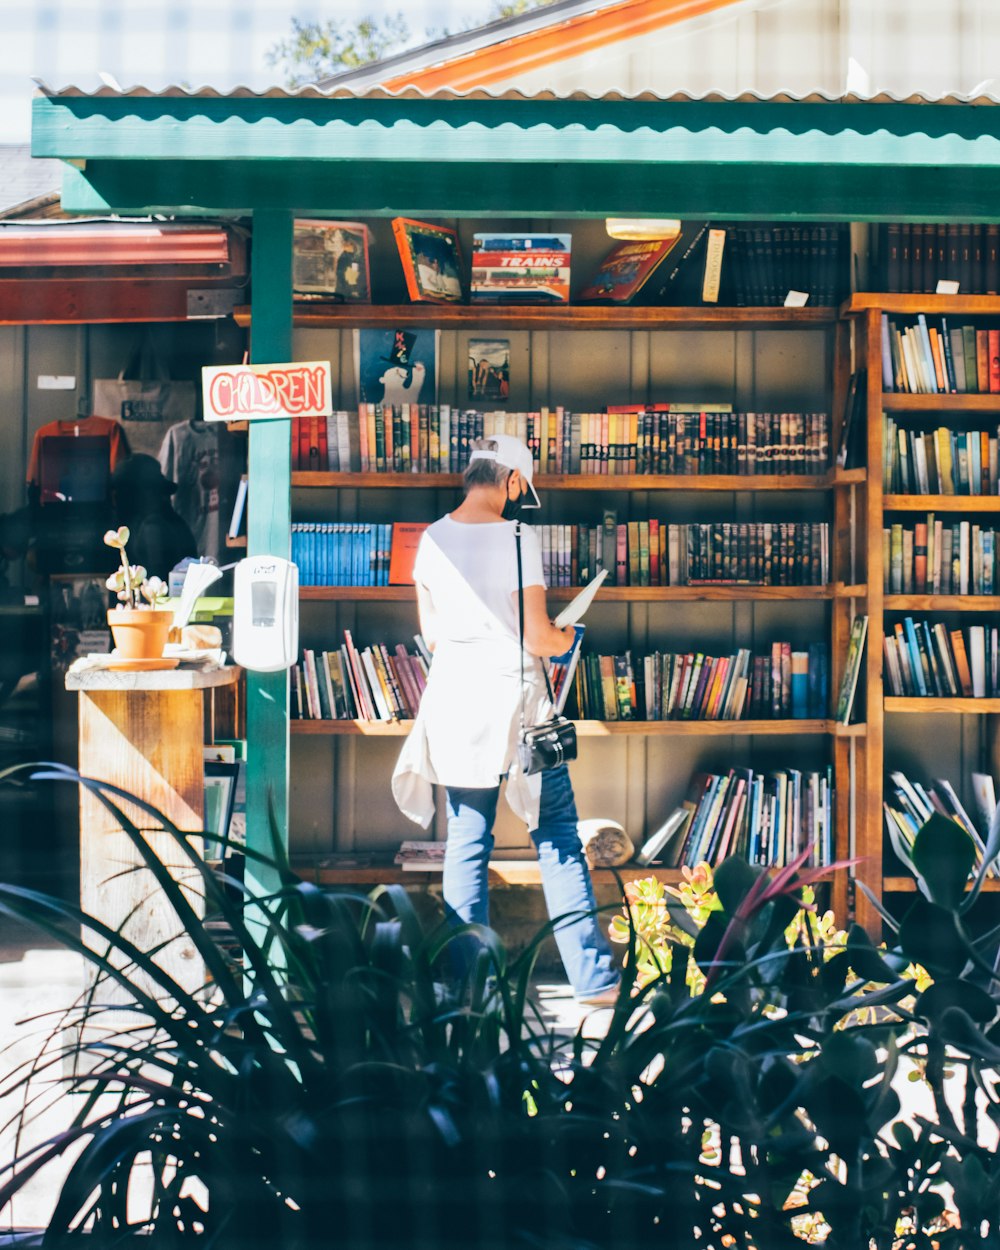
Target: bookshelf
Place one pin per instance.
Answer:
(934, 736)
(770, 359)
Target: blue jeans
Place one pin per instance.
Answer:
(584, 949)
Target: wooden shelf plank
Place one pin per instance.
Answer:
(850, 477)
(959, 305)
(602, 729)
(893, 703)
(844, 591)
(941, 503)
(548, 317)
(607, 594)
(907, 885)
(239, 541)
(893, 401)
(375, 870)
(941, 603)
(307, 479)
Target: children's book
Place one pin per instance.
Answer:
(626, 268)
(521, 269)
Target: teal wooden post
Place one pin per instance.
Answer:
(269, 533)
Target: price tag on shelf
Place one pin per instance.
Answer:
(946, 286)
(796, 299)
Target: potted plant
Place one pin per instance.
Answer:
(139, 624)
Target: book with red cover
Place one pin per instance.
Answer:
(993, 346)
(625, 269)
(405, 540)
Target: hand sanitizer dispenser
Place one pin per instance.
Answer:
(266, 613)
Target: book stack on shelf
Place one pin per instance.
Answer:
(767, 817)
(915, 257)
(921, 358)
(685, 438)
(373, 683)
(940, 558)
(942, 461)
(782, 684)
(911, 805)
(925, 660)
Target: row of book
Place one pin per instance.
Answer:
(941, 461)
(654, 553)
(342, 553)
(912, 804)
(779, 685)
(914, 257)
(922, 358)
(928, 660)
(756, 553)
(671, 438)
(638, 553)
(373, 683)
(769, 818)
(938, 558)
(768, 261)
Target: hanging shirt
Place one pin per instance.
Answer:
(467, 728)
(190, 456)
(62, 475)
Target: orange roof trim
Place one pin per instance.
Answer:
(534, 50)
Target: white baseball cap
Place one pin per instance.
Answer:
(512, 454)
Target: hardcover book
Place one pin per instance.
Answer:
(432, 262)
(330, 261)
(855, 650)
(626, 269)
(521, 269)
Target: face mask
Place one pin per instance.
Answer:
(513, 508)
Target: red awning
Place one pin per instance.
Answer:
(112, 243)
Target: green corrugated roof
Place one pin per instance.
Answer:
(476, 153)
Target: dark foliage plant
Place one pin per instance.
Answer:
(329, 1090)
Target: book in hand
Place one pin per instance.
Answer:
(667, 839)
(855, 650)
(626, 269)
(578, 605)
(421, 856)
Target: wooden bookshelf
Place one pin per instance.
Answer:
(941, 603)
(607, 594)
(972, 707)
(950, 401)
(381, 870)
(603, 729)
(911, 305)
(907, 885)
(312, 479)
(546, 317)
(941, 503)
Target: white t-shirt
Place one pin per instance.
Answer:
(466, 731)
(454, 559)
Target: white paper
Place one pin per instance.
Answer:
(574, 610)
(946, 286)
(796, 299)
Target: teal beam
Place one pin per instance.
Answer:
(269, 532)
(732, 191)
(440, 132)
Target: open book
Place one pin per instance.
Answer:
(574, 610)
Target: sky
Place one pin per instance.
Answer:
(158, 43)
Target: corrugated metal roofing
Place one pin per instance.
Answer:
(413, 93)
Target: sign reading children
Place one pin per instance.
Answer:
(267, 392)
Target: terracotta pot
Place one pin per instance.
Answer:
(140, 633)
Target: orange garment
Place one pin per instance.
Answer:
(84, 427)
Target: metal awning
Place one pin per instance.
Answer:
(450, 154)
(112, 243)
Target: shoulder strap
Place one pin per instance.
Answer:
(520, 626)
